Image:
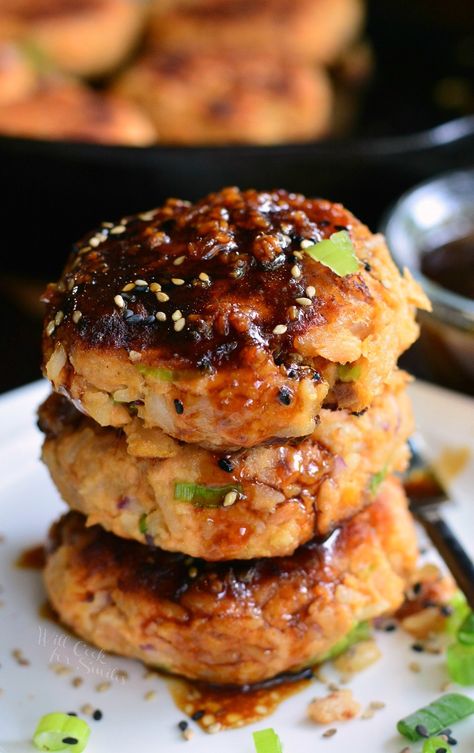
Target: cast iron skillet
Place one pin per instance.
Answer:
(54, 192)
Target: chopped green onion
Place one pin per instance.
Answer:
(55, 732)
(460, 663)
(460, 611)
(156, 372)
(466, 631)
(203, 496)
(347, 372)
(336, 252)
(436, 745)
(376, 480)
(267, 741)
(435, 717)
(142, 523)
(360, 632)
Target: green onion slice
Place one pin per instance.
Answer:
(347, 372)
(54, 729)
(203, 496)
(267, 741)
(142, 523)
(435, 717)
(460, 609)
(466, 631)
(336, 252)
(156, 372)
(360, 632)
(376, 480)
(436, 745)
(460, 663)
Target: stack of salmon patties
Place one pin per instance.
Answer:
(226, 422)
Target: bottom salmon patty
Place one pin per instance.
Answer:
(236, 622)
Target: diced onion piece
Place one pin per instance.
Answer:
(56, 364)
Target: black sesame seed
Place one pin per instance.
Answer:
(150, 320)
(284, 396)
(97, 715)
(441, 750)
(127, 313)
(225, 465)
(446, 610)
(178, 406)
(141, 288)
(71, 713)
(367, 266)
(340, 227)
(292, 374)
(417, 588)
(134, 319)
(316, 376)
(324, 223)
(418, 648)
(390, 627)
(70, 740)
(198, 715)
(183, 725)
(421, 730)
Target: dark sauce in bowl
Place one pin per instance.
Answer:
(451, 266)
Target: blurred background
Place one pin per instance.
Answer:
(109, 106)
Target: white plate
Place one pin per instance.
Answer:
(28, 504)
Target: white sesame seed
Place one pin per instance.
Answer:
(58, 318)
(70, 283)
(107, 224)
(229, 499)
(118, 229)
(192, 572)
(304, 301)
(118, 300)
(87, 709)
(155, 287)
(280, 329)
(177, 281)
(146, 216)
(310, 291)
(208, 719)
(150, 695)
(204, 277)
(50, 327)
(102, 687)
(306, 243)
(162, 297)
(188, 734)
(293, 313)
(161, 316)
(129, 286)
(296, 272)
(94, 242)
(176, 315)
(141, 283)
(297, 254)
(213, 728)
(76, 316)
(134, 356)
(179, 260)
(179, 325)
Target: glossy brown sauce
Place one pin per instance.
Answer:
(230, 708)
(452, 266)
(33, 558)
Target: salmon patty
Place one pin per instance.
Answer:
(262, 502)
(315, 30)
(80, 37)
(211, 322)
(188, 616)
(223, 98)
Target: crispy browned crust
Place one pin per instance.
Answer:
(227, 97)
(233, 622)
(289, 491)
(315, 30)
(227, 355)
